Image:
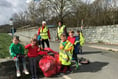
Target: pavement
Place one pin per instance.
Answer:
(103, 64)
(109, 47)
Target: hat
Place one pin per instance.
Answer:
(43, 22)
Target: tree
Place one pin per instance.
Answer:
(60, 8)
(99, 12)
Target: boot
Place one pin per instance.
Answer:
(77, 66)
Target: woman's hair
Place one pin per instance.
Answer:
(35, 40)
(61, 22)
(16, 37)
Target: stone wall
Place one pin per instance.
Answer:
(105, 34)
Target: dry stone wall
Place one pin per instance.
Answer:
(105, 34)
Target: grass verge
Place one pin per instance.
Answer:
(5, 41)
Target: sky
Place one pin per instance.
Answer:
(9, 7)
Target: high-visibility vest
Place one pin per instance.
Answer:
(60, 30)
(81, 39)
(44, 33)
(66, 57)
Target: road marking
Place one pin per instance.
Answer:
(104, 48)
(66, 77)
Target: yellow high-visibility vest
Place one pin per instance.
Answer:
(44, 33)
(66, 57)
(60, 30)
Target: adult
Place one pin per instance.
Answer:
(45, 34)
(61, 29)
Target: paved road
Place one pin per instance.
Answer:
(104, 65)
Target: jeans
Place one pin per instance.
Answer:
(80, 50)
(74, 56)
(33, 66)
(17, 60)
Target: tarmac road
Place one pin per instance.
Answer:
(104, 65)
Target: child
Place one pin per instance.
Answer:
(38, 37)
(75, 42)
(39, 40)
(35, 36)
(33, 50)
(65, 54)
(17, 53)
(81, 40)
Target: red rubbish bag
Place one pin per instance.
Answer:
(49, 49)
(58, 63)
(48, 65)
(42, 53)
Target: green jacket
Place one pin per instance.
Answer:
(16, 49)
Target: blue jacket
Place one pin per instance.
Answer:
(76, 47)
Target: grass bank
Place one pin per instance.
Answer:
(5, 41)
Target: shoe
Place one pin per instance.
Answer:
(18, 74)
(26, 72)
(68, 72)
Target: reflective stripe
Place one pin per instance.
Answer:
(44, 33)
(76, 42)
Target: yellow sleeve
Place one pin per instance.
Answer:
(69, 49)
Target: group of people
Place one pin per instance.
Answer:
(69, 48)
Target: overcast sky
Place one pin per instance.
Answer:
(8, 7)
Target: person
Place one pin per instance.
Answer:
(45, 34)
(33, 50)
(61, 30)
(80, 37)
(35, 36)
(76, 44)
(17, 53)
(65, 54)
(39, 40)
(38, 37)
